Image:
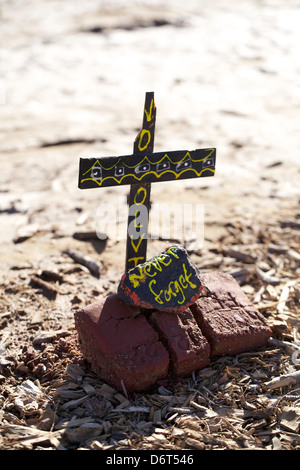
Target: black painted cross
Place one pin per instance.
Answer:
(139, 170)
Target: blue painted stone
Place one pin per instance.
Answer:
(169, 282)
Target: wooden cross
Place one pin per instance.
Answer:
(141, 169)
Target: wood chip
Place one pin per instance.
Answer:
(15, 432)
(88, 388)
(49, 336)
(241, 256)
(267, 277)
(138, 409)
(294, 322)
(70, 393)
(181, 410)
(106, 391)
(283, 298)
(197, 406)
(276, 443)
(156, 416)
(283, 380)
(285, 344)
(75, 371)
(85, 260)
(85, 431)
(194, 443)
(48, 289)
(73, 403)
(26, 232)
(290, 418)
(290, 223)
(73, 422)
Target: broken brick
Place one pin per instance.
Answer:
(227, 318)
(188, 348)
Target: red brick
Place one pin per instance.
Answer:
(120, 344)
(227, 318)
(188, 349)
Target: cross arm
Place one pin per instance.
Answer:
(146, 168)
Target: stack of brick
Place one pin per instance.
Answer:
(127, 347)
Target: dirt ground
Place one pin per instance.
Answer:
(73, 79)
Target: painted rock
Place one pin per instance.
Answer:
(120, 344)
(169, 282)
(227, 318)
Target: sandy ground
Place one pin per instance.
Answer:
(223, 76)
(73, 79)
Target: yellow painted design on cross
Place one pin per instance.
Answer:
(136, 247)
(149, 113)
(177, 175)
(142, 134)
(138, 193)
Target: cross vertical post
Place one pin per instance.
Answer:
(139, 197)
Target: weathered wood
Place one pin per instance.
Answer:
(136, 247)
(146, 167)
(283, 380)
(139, 170)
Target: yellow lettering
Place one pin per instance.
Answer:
(161, 259)
(137, 194)
(181, 280)
(154, 293)
(156, 265)
(135, 278)
(136, 259)
(169, 250)
(135, 224)
(149, 113)
(148, 268)
(178, 289)
(144, 131)
(136, 247)
(169, 292)
(187, 277)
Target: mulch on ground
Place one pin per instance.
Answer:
(50, 399)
